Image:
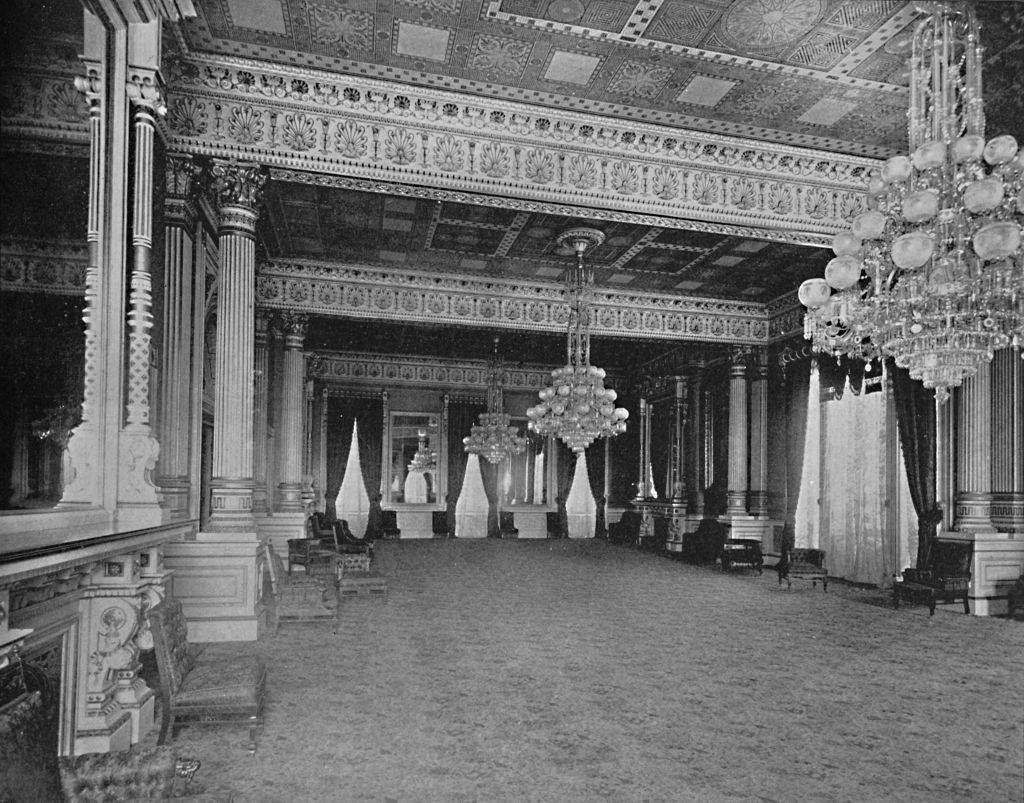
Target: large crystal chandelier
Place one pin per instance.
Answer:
(932, 273)
(494, 438)
(577, 407)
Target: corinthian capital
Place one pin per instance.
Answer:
(294, 325)
(237, 184)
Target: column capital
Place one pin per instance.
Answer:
(181, 188)
(739, 356)
(295, 325)
(145, 91)
(91, 85)
(237, 184)
(262, 326)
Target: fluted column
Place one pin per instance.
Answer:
(1008, 441)
(137, 499)
(678, 451)
(237, 189)
(759, 436)
(973, 452)
(175, 396)
(289, 491)
(261, 370)
(641, 480)
(736, 498)
(697, 480)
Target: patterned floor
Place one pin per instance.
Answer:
(578, 671)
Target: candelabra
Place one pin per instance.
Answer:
(494, 438)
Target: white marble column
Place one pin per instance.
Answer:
(736, 497)
(174, 405)
(759, 436)
(973, 400)
(289, 490)
(1008, 441)
(261, 369)
(237, 188)
(677, 487)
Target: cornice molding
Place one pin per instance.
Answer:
(385, 293)
(389, 370)
(382, 131)
(56, 267)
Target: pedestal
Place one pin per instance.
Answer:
(997, 563)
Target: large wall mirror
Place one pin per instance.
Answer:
(415, 473)
(527, 478)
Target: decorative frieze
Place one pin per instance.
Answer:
(337, 368)
(383, 293)
(378, 130)
(785, 317)
(56, 267)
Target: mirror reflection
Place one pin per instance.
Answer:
(524, 477)
(414, 441)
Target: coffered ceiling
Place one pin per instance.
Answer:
(820, 73)
(363, 228)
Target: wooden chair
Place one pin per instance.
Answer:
(346, 543)
(507, 525)
(199, 687)
(804, 564)
(311, 597)
(439, 524)
(626, 530)
(946, 579)
(742, 552)
(389, 524)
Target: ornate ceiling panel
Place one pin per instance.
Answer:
(327, 223)
(814, 73)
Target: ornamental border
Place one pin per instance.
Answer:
(370, 292)
(55, 267)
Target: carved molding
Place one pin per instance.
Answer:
(785, 317)
(43, 266)
(378, 130)
(389, 370)
(374, 292)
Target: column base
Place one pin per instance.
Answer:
(111, 733)
(231, 506)
(746, 526)
(997, 564)
(290, 497)
(736, 503)
(1008, 512)
(278, 527)
(175, 493)
(973, 512)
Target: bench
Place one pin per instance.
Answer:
(742, 552)
(803, 564)
(946, 579)
(304, 598)
(201, 686)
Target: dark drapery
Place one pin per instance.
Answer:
(663, 426)
(915, 420)
(490, 473)
(461, 416)
(565, 468)
(797, 384)
(595, 473)
(624, 454)
(341, 412)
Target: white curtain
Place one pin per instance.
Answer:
(807, 523)
(538, 477)
(471, 507)
(580, 507)
(415, 487)
(352, 502)
(856, 492)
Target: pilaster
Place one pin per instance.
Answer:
(293, 400)
(175, 398)
(1008, 441)
(261, 373)
(736, 497)
(696, 455)
(759, 435)
(973, 401)
(237, 188)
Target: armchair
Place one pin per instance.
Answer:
(507, 525)
(945, 579)
(806, 564)
(308, 598)
(225, 688)
(389, 524)
(626, 530)
(346, 543)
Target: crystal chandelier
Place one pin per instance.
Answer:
(494, 438)
(425, 458)
(577, 407)
(932, 273)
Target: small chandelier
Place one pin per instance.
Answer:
(577, 407)
(932, 273)
(494, 438)
(425, 458)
